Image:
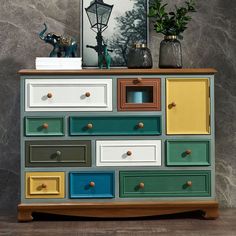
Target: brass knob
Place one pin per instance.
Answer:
(189, 183)
(140, 125)
(89, 126)
(58, 153)
(129, 153)
(45, 125)
(141, 185)
(92, 184)
(188, 152)
(173, 104)
(139, 80)
(49, 95)
(44, 186)
(87, 94)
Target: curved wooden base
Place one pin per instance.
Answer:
(118, 209)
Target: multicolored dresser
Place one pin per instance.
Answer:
(117, 143)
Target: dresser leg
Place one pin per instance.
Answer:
(211, 213)
(24, 215)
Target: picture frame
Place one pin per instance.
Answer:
(125, 28)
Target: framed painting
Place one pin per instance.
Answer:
(127, 25)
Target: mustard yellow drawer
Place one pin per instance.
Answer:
(44, 185)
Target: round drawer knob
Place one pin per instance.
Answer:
(45, 125)
(141, 185)
(173, 104)
(87, 94)
(58, 153)
(140, 125)
(189, 183)
(92, 184)
(129, 153)
(44, 186)
(188, 152)
(90, 126)
(49, 95)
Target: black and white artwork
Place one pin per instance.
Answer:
(127, 25)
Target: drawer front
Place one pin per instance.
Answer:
(165, 184)
(128, 153)
(138, 125)
(187, 153)
(44, 126)
(58, 153)
(68, 95)
(91, 185)
(44, 185)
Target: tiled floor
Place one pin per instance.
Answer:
(180, 225)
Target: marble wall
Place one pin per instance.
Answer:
(210, 41)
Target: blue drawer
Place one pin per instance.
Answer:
(92, 184)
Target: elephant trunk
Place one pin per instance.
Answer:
(41, 34)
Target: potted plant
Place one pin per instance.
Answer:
(171, 24)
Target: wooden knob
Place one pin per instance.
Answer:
(87, 94)
(44, 186)
(90, 126)
(129, 153)
(45, 125)
(49, 95)
(140, 125)
(141, 185)
(92, 184)
(58, 153)
(173, 104)
(189, 183)
(188, 152)
(139, 80)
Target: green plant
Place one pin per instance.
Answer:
(173, 22)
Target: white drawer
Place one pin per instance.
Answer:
(68, 95)
(128, 153)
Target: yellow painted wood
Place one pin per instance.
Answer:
(44, 185)
(192, 110)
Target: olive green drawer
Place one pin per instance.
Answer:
(165, 184)
(116, 125)
(58, 153)
(44, 126)
(188, 153)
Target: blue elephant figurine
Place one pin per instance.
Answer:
(104, 59)
(62, 46)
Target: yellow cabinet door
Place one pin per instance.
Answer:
(187, 106)
(44, 185)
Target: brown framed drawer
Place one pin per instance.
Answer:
(47, 153)
(44, 184)
(139, 94)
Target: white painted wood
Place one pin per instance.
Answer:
(68, 95)
(114, 153)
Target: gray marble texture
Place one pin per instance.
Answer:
(210, 41)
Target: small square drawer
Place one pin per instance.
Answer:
(50, 153)
(68, 94)
(187, 153)
(44, 185)
(139, 94)
(115, 125)
(165, 184)
(44, 126)
(128, 153)
(91, 185)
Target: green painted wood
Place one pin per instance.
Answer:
(165, 184)
(118, 125)
(176, 154)
(34, 126)
(58, 153)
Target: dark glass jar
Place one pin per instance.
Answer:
(139, 56)
(170, 53)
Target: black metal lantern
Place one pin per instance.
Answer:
(98, 13)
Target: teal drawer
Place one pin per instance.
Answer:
(187, 153)
(118, 125)
(44, 126)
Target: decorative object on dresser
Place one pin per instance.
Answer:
(89, 147)
(172, 24)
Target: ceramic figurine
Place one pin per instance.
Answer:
(104, 59)
(62, 46)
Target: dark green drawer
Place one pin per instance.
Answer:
(44, 126)
(187, 153)
(165, 184)
(119, 125)
(58, 153)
